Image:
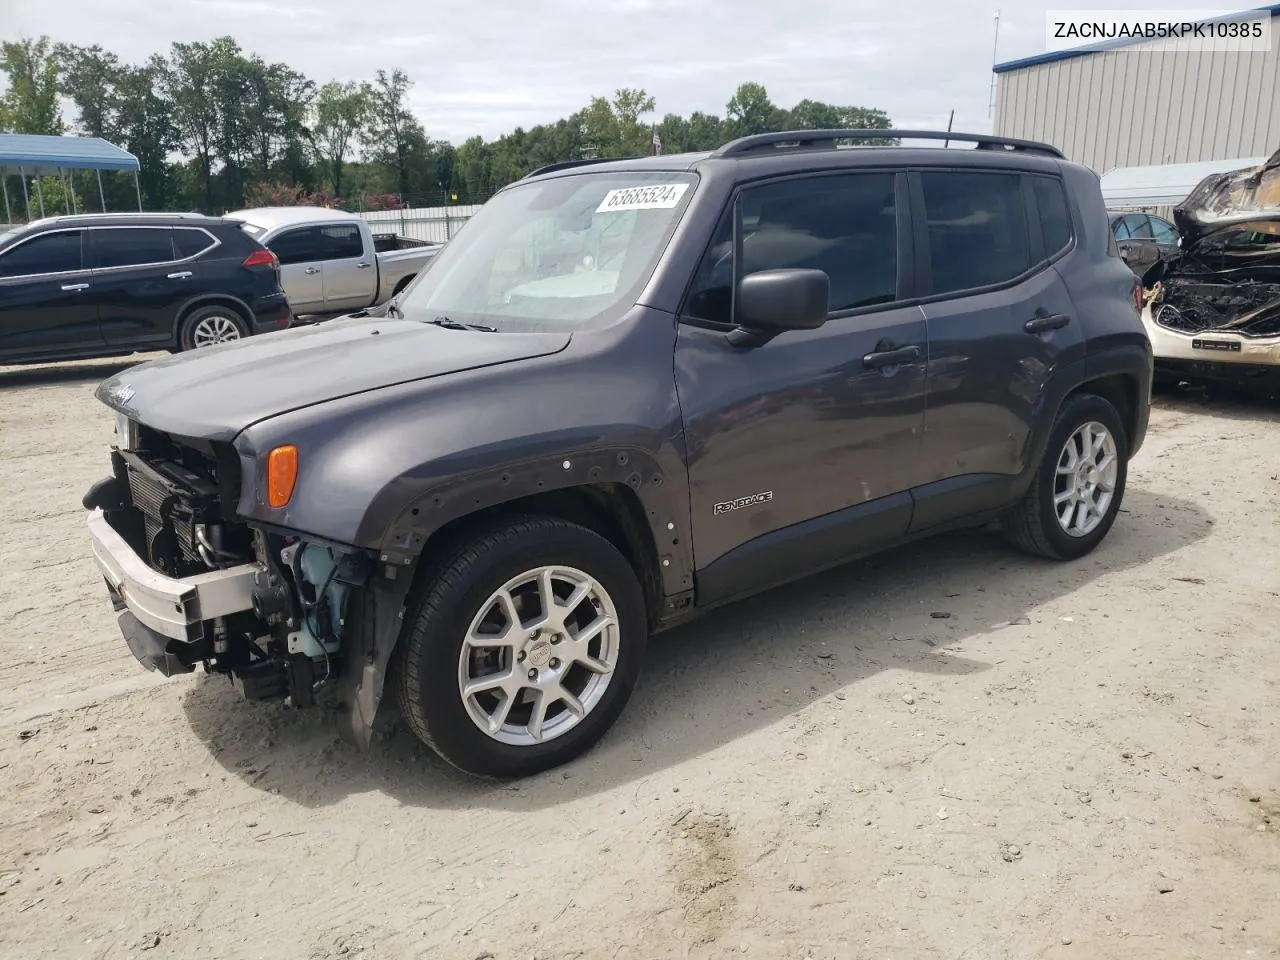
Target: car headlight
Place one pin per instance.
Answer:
(126, 432)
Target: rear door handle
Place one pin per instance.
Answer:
(181, 275)
(75, 287)
(362, 265)
(1044, 322)
(891, 358)
(311, 270)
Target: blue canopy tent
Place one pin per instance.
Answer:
(29, 155)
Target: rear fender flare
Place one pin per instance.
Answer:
(1075, 377)
(1068, 378)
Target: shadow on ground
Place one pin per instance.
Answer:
(1261, 403)
(84, 371)
(719, 678)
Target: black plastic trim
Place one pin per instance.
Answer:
(804, 548)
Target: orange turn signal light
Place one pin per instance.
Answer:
(282, 474)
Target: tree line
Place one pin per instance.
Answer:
(215, 128)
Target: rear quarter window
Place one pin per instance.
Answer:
(190, 243)
(1055, 220)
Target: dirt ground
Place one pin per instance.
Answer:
(1078, 761)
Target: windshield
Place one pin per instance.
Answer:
(557, 254)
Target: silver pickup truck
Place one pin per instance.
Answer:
(331, 262)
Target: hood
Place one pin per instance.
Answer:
(1229, 201)
(215, 392)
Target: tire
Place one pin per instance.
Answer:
(203, 325)
(434, 659)
(1034, 526)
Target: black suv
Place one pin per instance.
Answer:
(114, 284)
(627, 392)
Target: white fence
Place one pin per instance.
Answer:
(422, 223)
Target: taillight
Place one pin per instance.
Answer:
(261, 258)
(1137, 296)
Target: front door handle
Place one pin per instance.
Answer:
(180, 275)
(75, 287)
(1043, 322)
(362, 265)
(891, 358)
(311, 270)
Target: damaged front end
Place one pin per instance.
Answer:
(1221, 293)
(278, 614)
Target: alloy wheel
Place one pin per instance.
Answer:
(539, 655)
(215, 328)
(1085, 483)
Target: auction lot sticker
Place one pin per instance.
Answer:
(660, 196)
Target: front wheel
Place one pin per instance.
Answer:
(523, 649)
(1076, 493)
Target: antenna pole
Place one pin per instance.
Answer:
(995, 46)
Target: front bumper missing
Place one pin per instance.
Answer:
(171, 608)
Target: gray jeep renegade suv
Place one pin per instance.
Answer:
(627, 392)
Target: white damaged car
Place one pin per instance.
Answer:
(1213, 310)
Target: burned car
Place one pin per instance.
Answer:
(1213, 310)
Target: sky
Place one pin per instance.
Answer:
(492, 65)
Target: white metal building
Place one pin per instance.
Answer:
(1158, 189)
(1120, 107)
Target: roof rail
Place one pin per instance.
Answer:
(125, 215)
(826, 139)
(570, 164)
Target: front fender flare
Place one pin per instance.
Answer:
(427, 510)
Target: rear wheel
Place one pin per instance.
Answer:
(523, 649)
(1076, 493)
(214, 324)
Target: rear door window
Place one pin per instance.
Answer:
(302, 245)
(131, 246)
(977, 229)
(50, 253)
(342, 242)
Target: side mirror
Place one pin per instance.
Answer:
(770, 302)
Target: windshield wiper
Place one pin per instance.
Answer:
(455, 325)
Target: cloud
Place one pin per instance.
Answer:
(487, 67)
